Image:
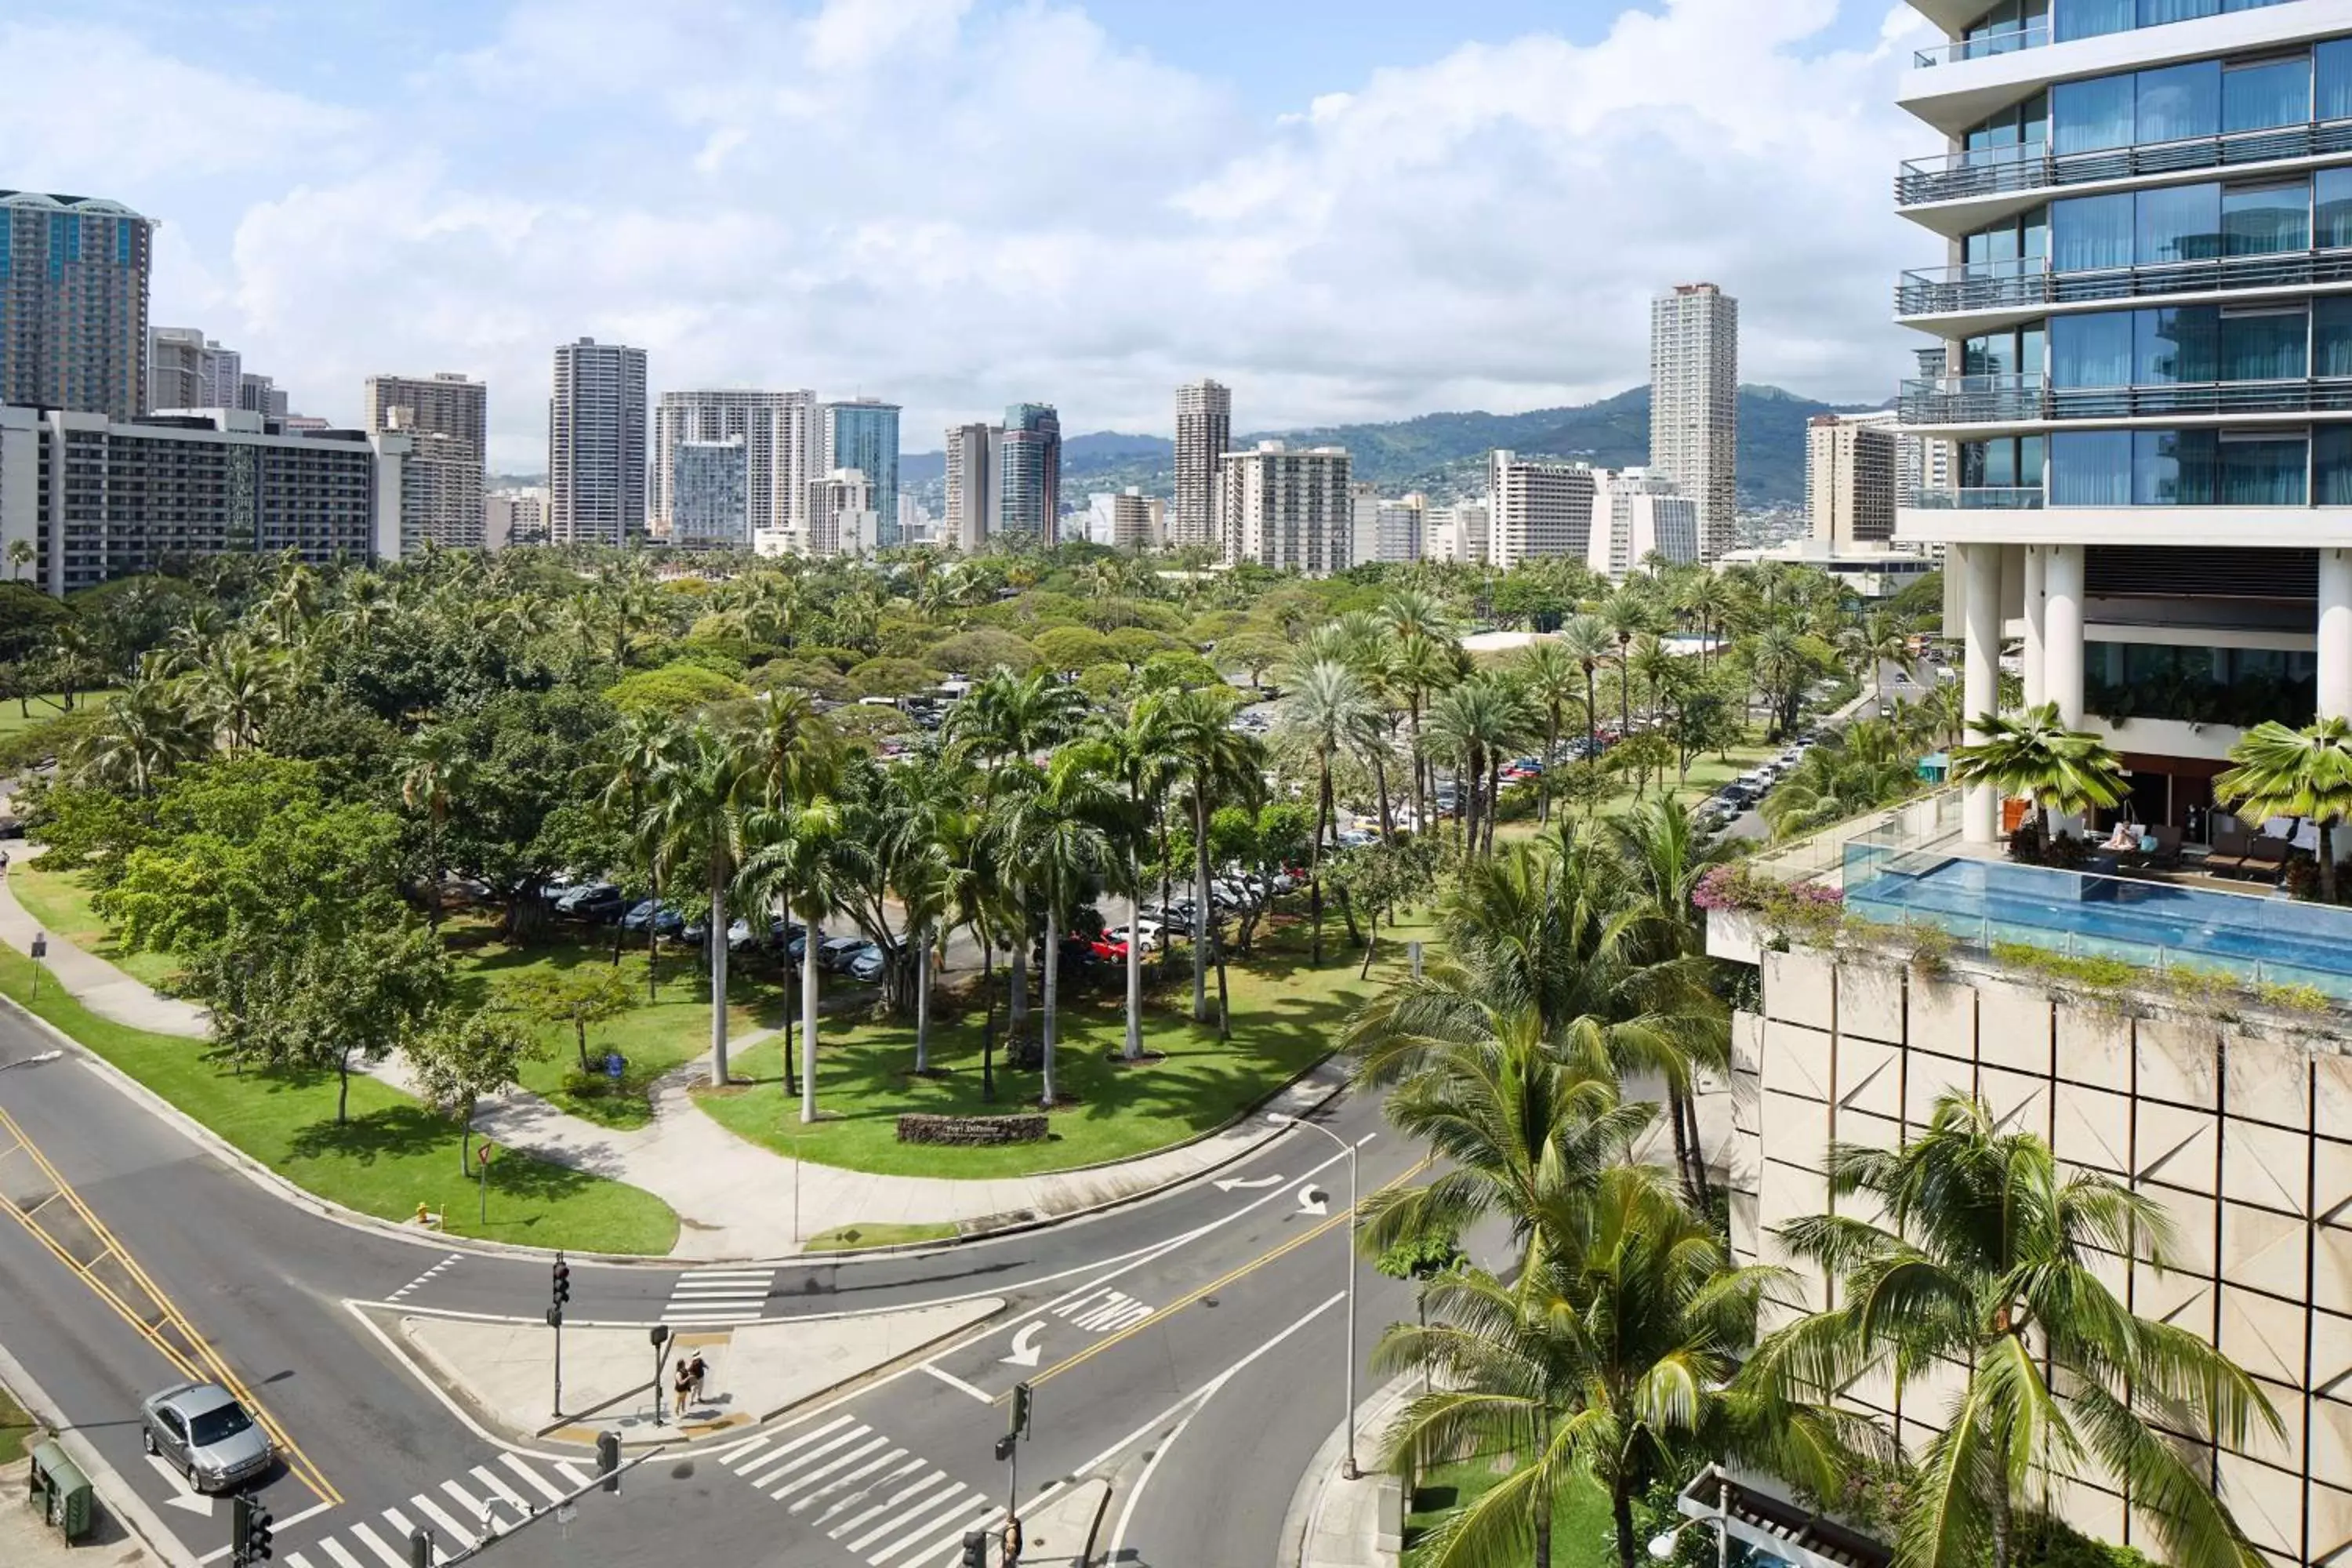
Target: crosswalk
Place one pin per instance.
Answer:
(883, 1503)
(455, 1513)
(714, 1296)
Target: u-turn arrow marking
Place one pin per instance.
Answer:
(1025, 1349)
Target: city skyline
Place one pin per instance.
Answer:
(541, 201)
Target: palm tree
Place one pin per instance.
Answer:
(141, 737)
(20, 553)
(1588, 640)
(1481, 722)
(1548, 673)
(1142, 754)
(1325, 710)
(644, 746)
(793, 861)
(1220, 765)
(236, 689)
(1417, 668)
(1607, 1358)
(919, 843)
(2280, 772)
(1054, 826)
(1991, 1265)
(1627, 615)
(694, 819)
(1849, 772)
(2034, 754)
(436, 771)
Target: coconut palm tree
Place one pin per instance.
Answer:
(2034, 754)
(917, 842)
(142, 735)
(794, 861)
(1142, 754)
(644, 746)
(1325, 711)
(1219, 766)
(1418, 666)
(1548, 672)
(1481, 722)
(435, 771)
(1628, 614)
(2279, 771)
(693, 817)
(1588, 640)
(1991, 1264)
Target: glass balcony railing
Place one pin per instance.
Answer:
(2019, 399)
(2011, 285)
(1983, 46)
(2000, 170)
(1981, 498)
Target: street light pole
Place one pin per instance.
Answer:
(1282, 1118)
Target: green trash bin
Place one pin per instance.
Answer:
(60, 1491)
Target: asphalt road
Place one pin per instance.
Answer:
(1189, 1346)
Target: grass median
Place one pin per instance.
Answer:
(391, 1155)
(61, 902)
(1287, 1015)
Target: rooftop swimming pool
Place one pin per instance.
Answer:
(2265, 940)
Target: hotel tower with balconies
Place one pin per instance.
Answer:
(2143, 363)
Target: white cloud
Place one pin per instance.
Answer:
(961, 204)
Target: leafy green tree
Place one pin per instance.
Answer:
(1989, 1263)
(578, 999)
(675, 688)
(460, 1058)
(2279, 771)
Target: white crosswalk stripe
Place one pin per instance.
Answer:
(952, 1544)
(452, 1511)
(884, 1504)
(718, 1296)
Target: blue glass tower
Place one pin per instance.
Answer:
(862, 434)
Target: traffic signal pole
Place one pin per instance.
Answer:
(562, 1292)
(609, 1479)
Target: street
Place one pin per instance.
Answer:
(1189, 1348)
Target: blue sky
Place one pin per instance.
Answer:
(1344, 208)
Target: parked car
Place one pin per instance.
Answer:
(663, 920)
(834, 952)
(599, 901)
(200, 1430)
(1108, 949)
(1150, 935)
(866, 964)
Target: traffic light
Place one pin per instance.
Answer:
(608, 1458)
(256, 1531)
(1022, 1397)
(240, 1531)
(562, 1283)
(975, 1548)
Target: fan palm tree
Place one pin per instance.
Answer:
(2279, 771)
(1325, 711)
(2034, 754)
(1852, 771)
(693, 818)
(1219, 765)
(1608, 1357)
(1989, 1263)
(1548, 672)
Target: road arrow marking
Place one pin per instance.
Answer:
(1314, 1200)
(1238, 1185)
(182, 1494)
(1025, 1349)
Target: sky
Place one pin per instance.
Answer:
(1344, 209)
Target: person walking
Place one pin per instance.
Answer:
(682, 1385)
(696, 1371)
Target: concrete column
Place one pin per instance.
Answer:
(1980, 674)
(2062, 631)
(2037, 558)
(2335, 633)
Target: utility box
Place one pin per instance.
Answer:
(60, 1492)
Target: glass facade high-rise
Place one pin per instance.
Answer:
(862, 434)
(597, 444)
(73, 304)
(1694, 405)
(1031, 481)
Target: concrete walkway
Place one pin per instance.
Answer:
(734, 1199)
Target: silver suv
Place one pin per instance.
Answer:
(203, 1432)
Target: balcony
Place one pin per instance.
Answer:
(2030, 399)
(2028, 283)
(2007, 171)
(1982, 47)
(1981, 498)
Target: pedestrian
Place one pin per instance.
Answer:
(3, 864)
(683, 1386)
(696, 1370)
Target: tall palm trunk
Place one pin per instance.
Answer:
(923, 1005)
(2327, 859)
(1621, 1510)
(1494, 796)
(1315, 858)
(1200, 907)
(1381, 784)
(1016, 1023)
(1053, 995)
(1550, 760)
(1134, 966)
(717, 937)
(809, 939)
(1420, 815)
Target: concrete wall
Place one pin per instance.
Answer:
(2245, 1140)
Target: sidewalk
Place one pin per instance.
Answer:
(1335, 1522)
(734, 1199)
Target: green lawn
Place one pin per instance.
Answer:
(16, 716)
(393, 1155)
(1286, 1014)
(61, 901)
(15, 1426)
(1709, 773)
(842, 1237)
(1583, 1534)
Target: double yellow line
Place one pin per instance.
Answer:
(164, 1326)
(1214, 1286)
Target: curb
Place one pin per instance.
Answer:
(115, 1495)
(1307, 1497)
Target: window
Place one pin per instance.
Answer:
(2331, 217)
(2175, 345)
(2091, 468)
(2089, 116)
(2183, 223)
(2156, 13)
(2178, 102)
(2010, 462)
(2331, 70)
(2264, 467)
(2091, 350)
(2331, 465)
(2260, 220)
(2171, 467)
(2264, 345)
(2091, 232)
(2089, 18)
(2331, 336)
(2271, 93)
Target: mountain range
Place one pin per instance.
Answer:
(1445, 453)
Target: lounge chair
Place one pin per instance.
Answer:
(2166, 853)
(2268, 859)
(2230, 849)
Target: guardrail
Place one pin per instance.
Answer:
(2009, 285)
(1983, 46)
(2033, 166)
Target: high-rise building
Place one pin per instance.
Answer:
(1851, 476)
(1029, 481)
(842, 518)
(1538, 507)
(188, 370)
(1393, 530)
(1638, 514)
(260, 394)
(709, 494)
(1204, 432)
(597, 444)
(782, 451)
(514, 517)
(975, 477)
(1694, 405)
(1288, 508)
(100, 498)
(1135, 520)
(862, 434)
(1459, 534)
(73, 303)
(446, 417)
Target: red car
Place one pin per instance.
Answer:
(1109, 951)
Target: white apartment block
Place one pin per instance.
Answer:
(1694, 405)
(1537, 508)
(597, 444)
(1459, 534)
(1393, 530)
(1204, 431)
(1851, 467)
(975, 478)
(188, 370)
(1288, 508)
(447, 419)
(1638, 514)
(782, 436)
(842, 518)
(514, 517)
(1138, 522)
